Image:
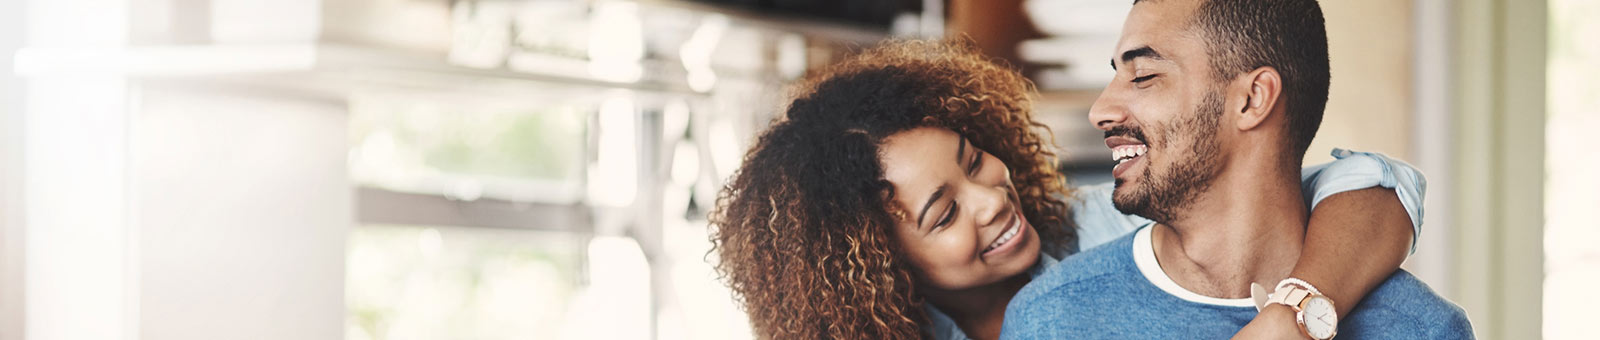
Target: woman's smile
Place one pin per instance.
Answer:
(1006, 243)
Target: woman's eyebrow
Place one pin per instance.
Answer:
(961, 149)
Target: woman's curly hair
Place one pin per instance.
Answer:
(804, 229)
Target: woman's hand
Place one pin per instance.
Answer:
(1274, 322)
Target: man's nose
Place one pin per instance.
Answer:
(1109, 110)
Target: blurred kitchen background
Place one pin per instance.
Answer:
(541, 169)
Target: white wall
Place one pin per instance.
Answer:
(158, 211)
(1369, 101)
(171, 213)
(243, 206)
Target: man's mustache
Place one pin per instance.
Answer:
(1130, 132)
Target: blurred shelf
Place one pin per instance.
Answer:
(1078, 144)
(166, 61)
(379, 206)
(390, 65)
(1067, 99)
(826, 29)
(334, 70)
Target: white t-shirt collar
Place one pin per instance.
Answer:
(1144, 256)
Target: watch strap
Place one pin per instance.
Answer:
(1298, 282)
(1289, 296)
(1259, 295)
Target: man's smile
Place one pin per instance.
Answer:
(1126, 151)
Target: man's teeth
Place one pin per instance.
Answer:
(1004, 237)
(1124, 153)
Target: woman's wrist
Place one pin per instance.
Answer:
(1274, 322)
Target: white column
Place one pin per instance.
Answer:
(1432, 141)
(1500, 165)
(78, 273)
(11, 129)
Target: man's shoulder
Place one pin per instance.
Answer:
(1072, 293)
(1403, 304)
(1104, 262)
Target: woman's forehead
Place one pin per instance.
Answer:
(915, 149)
(918, 161)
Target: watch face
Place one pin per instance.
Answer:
(1319, 318)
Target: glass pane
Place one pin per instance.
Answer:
(1572, 261)
(413, 282)
(468, 147)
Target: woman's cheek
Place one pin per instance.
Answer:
(964, 243)
(937, 251)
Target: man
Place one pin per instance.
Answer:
(1214, 105)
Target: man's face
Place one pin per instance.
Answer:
(1161, 113)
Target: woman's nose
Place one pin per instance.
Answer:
(991, 204)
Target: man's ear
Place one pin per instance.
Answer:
(1260, 89)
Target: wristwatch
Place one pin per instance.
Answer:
(1312, 310)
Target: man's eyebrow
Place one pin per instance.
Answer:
(935, 198)
(1141, 52)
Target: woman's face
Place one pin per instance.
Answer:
(963, 225)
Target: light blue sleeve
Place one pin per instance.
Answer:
(1099, 221)
(1097, 218)
(1354, 170)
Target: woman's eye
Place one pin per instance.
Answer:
(977, 163)
(949, 215)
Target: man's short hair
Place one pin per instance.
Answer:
(1290, 35)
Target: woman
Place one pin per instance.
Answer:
(816, 243)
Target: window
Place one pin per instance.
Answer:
(468, 147)
(1572, 261)
(435, 282)
(469, 224)
(483, 218)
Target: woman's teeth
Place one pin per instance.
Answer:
(1006, 236)
(1124, 153)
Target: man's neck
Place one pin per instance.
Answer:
(1248, 228)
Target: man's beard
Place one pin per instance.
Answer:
(1164, 195)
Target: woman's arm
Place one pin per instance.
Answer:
(1365, 212)
(1355, 239)
(1098, 220)
(1354, 242)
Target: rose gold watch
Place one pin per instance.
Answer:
(1313, 311)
